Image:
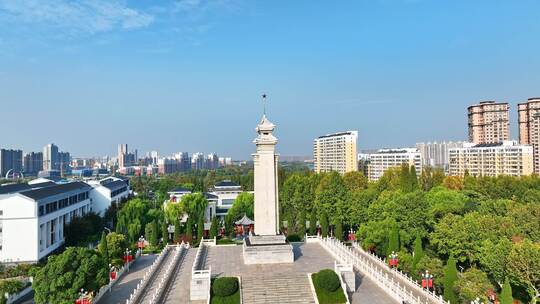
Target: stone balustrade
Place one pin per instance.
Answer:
(410, 292)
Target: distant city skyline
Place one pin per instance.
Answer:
(187, 75)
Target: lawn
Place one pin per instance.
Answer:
(325, 297)
(225, 241)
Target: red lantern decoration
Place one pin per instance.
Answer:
(140, 244)
(424, 283)
(430, 283)
(113, 275)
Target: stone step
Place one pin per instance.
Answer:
(276, 289)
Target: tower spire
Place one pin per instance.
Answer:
(264, 104)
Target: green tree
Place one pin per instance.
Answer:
(324, 224)
(165, 233)
(177, 230)
(494, 258)
(471, 284)
(313, 222)
(117, 244)
(151, 233)
(60, 280)
(243, 204)
(405, 178)
(302, 223)
(524, 267)
(393, 240)
(331, 196)
(338, 230)
(189, 229)
(418, 252)
(450, 279)
(200, 229)
(214, 228)
(103, 248)
(413, 179)
(355, 180)
(506, 293)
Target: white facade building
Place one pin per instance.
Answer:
(106, 192)
(385, 159)
(221, 198)
(435, 154)
(336, 152)
(32, 218)
(494, 159)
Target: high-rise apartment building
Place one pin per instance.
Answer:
(212, 161)
(50, 158)
(435, 154)
(336, 152)
(529, 127)
(197, 161)
(488, 122)
(33, 163)
(10, 160)
(122, 151)
(504, 158)
(386, 159)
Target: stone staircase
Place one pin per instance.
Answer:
(286, 288)
(179, 291)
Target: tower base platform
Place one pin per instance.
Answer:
(267, 249)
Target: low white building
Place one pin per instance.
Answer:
(385, 159)
(221, 198)
(32, 218)
(107, 192)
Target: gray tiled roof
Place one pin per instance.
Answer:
(45, 192)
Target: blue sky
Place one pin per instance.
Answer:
(188, 75)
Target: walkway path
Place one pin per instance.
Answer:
(122, 290)
(398, 278)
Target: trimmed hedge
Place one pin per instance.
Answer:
(224, 287)
(328, 280)
(294, 238)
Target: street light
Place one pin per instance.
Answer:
(427, 280)
(106, 228)
(393, 260)
(127, 258)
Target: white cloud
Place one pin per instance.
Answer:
(86, 16)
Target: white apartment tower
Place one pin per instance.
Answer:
(336, 152)
(506, 158)
(385, 159)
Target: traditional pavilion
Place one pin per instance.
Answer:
(244, 226)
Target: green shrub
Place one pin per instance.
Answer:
(328, 280)
(223, 287)
(294, 238)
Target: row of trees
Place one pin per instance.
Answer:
(487, 227)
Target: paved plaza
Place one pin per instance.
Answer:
(309, 258)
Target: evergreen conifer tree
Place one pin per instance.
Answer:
(313, 222)
(506, 293)
(200, 229)
(176, 235)
(450, 278)
(324, 224)
(393, 240)
(338, 230)
(165, 233)
(418, 252)
(103, 248)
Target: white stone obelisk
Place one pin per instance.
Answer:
(265, 160)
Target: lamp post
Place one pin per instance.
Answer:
(393, 260)
(427, 280)
(112, 275)
(141, 243)
(127, 258)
